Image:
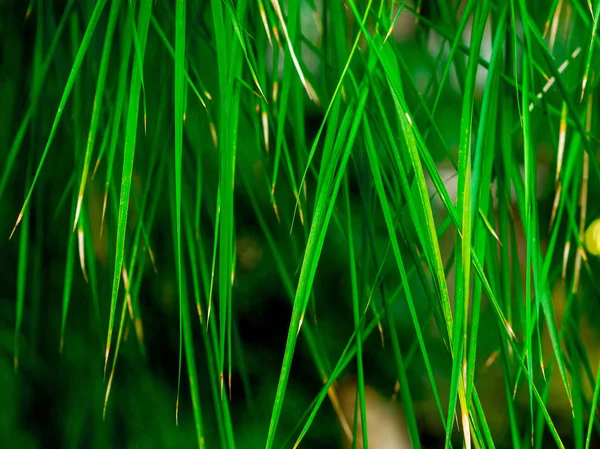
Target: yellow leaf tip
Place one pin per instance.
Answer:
(583, 84)
(106, 359)
(19, 218)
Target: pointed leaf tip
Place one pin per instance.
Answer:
(16, 224)
(80, 236)
(77, 210)
(106, 359)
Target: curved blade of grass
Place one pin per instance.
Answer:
(103, 145)
(299, 127)
(192, 371)
(390, 223)
(190, 82)
(180, 12)
(106, 51)
(39, 78)
(129, 152)
(482, 173)
(22, 276)
(116, 356)
(36, 287)
(225, 191)
(185, 321)
(192, 68)
(89, 32)
(453, 216)
(479, 271)
(463, 257)
(191, 243)
(406, 190)
(450, 16)
(361, 402)
(197, 272)
(555, 71)
(588, 59)
(542, 296)
(577, 391)
(135, 271)
(453, 55)
(409, 135)
(323, 210)
(463, 48)
(241, 39)
(139, 59)
(282, 117)
(345, 358)
(291, 12)
(486, 430)
(228, 164)
(320, 359)
(210, 337)
(227, 232)
(509, 337)
(432, 122)
(515, 425)
(506, 331)
(593, 409)
(400, 264)
(116, 122)
(529, 218)
(91, 257)
(68, 281)
(214, 257)
(81, 245)
(337, 90)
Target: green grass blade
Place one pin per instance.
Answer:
(463, 257)
(106, 51)
(116, 122)
(93, 273)
(40, 77)
(21, 279)
(89, 32)
(588, 59)
(139, 59)
(357, 324)
(225, 191)
(334, 97)
(396, 249)
(192, 371)
(593, 410)
(323, 210)
(68, 279)
(129, 153)
(292, 12)
(184, 320)
(190, 82)
(237, 28)
(560, 84)
(482, 173)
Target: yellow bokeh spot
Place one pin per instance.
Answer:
(591, 238)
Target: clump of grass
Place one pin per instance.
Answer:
(233, 167)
